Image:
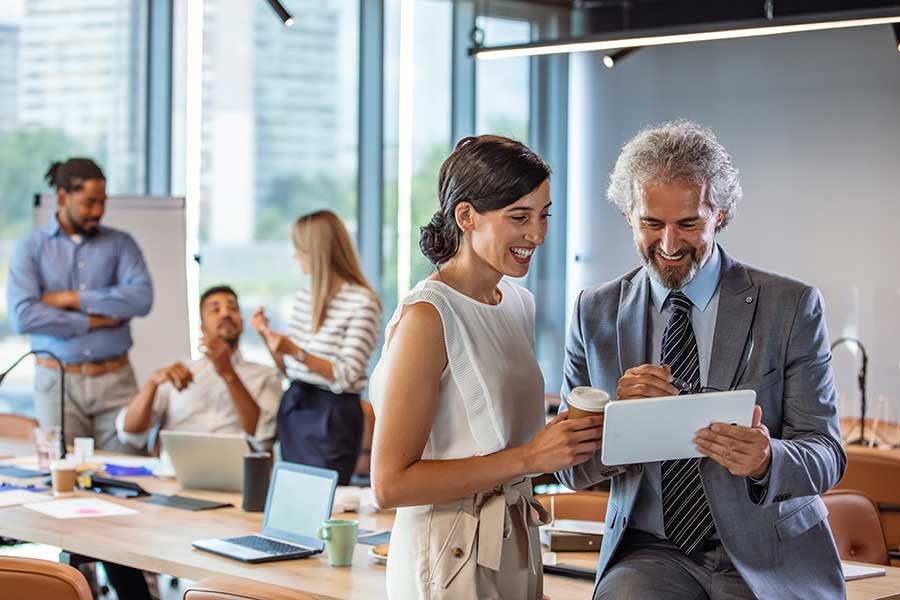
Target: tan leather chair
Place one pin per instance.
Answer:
(876, 473)
(221, 587)
(18, 427)
(856, 527)
(30, 578)
(364, 462)
(584, 506)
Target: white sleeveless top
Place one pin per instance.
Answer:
(491, 395)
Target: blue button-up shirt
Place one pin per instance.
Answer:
(108, 272)
(703, 292)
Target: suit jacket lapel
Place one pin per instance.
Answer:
(738, 298)
(631, 321)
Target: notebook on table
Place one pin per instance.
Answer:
(300, 498)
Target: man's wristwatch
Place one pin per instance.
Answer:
(300, 356)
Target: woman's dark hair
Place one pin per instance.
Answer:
(72, 174)
(487, 171)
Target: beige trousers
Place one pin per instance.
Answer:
(485, 546)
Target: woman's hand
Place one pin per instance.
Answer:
(563, 443)
(259, 320)
(278, 343)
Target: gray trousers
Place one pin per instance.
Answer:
(647, 567)
(92, 404)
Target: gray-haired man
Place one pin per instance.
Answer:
(746, 520)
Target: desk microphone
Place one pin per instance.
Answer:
(62, 393)
(861, 380)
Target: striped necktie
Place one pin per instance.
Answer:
(686, 516)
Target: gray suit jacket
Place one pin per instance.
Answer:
(777, 537)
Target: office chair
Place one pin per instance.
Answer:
(29, 578)
(222, 587)
(856, 527)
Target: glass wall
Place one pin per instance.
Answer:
(502, 100)
(72, 83)
(416, 134)
(278, 139)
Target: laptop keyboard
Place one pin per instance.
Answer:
(266, 545)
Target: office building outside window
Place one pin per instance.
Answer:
(72, 83)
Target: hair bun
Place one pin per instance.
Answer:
(438, 242)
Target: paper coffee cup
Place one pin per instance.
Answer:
(62, 474)
(586, 402)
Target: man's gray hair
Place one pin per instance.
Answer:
(676, 151)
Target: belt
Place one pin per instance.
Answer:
(90, 369)
(495, 522)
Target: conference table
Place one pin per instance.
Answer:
(158, 539)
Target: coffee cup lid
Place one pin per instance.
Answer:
(62, 464)
(588, 398)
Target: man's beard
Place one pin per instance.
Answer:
(87, 231)
(673, 277)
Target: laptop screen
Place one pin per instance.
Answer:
(300, 498)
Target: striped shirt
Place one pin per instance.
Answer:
(346, 338)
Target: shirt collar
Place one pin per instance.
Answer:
(53, 227)
(236, 358)
(699, 290)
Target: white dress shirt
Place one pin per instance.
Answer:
(205, 405)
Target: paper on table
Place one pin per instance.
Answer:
(135, 461)
(80, 508)
(16, 497)
(852, 572)
(576, 526)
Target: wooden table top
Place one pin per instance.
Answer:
(158, 539)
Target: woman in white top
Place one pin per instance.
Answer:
(458, 392)
(332, 334)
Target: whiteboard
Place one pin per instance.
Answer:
(159, 227)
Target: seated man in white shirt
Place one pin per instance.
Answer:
(219, 393)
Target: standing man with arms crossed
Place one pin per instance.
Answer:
(74, 285)
(745, 520)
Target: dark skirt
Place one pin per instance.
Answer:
(319, 428)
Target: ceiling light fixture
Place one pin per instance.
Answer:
(282, 12)
(694, 33)
(613, 58)
(897, 35)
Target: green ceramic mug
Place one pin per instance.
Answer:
(340, 540)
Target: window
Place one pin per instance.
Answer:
(417, 134)
(278, 138)
(502, 86)
(66, 89)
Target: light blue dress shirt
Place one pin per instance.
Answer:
(107, 270)
(703, 292)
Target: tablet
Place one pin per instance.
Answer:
(651, 429)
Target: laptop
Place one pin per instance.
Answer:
(300, 498)
(207, 461)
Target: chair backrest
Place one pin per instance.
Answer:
(583, 506)
(876, 473)
(856, 527)
(30, 578)
(222, 587)
(18, 427)
(364, 462)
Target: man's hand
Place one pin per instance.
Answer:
(646, 381)
(259, 320)
(98, 321)
(219, 354)
(279, 343)
(178, 374)
(63, 300)
(744, 451)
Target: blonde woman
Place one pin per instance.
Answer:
(459, 395)
(332, 333)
